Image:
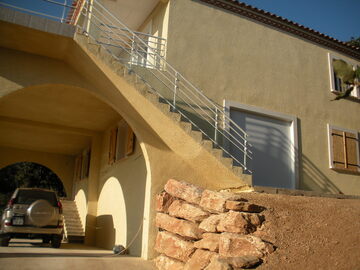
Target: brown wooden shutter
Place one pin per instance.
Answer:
(112, 145)
(130, 141)
(338, 149)
(78, 167)
(345, 150)
(352, 149)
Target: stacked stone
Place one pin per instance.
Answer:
(204, 229)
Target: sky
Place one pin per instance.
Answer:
(339, 19)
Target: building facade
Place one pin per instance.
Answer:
(106, 107)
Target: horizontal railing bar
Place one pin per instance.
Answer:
(211, 105)
(228, 137)
(60, 4)
(138, 33)
(33, 12)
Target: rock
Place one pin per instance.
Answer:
(174, 246)
(182, 227)
(183, 190)
(235, 245)
(217, 264)
(199, 260)
(163, 201)
(210, 224)
(163, 262)
(235, 222)
(209, 241)
(215, 201)
(243, 206)
(243, 262)
(187, 211)
(254, 219)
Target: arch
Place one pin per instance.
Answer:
(122, 204)
(29, 174)
(26, 91)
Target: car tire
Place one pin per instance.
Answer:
(4, 241)
(56, 241)
(46, 240)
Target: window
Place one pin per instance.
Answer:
(344, 149)
(336, 84)
(82, 165)
(122, 142)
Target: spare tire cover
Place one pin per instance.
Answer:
(41, 213)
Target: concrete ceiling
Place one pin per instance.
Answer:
(59, 104)
(54, 118)
(131, 12)
(36, 138)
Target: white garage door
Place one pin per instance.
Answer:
(272, 139)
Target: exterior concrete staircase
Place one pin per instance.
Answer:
(73, 228)
(131, 75)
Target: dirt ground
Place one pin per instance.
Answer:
(310, 232)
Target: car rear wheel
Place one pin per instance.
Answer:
(56, 241)
(46, 240)
(4, 241)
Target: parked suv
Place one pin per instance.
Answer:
(32, 213)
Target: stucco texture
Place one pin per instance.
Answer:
(235, 59)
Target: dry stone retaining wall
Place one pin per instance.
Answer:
(204, 229)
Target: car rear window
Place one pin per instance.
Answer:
(30, 196)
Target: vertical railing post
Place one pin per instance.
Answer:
(245, 152)
(87, 21)
(133, 48)
(216, 125)
(176, 88)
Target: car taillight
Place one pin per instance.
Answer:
(11, 202)
(60, 207)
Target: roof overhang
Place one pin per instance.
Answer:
(285, 25)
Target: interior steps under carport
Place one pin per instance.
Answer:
(73, 228)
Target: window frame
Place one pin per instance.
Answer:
(82, 164)
(121, 139)
(331, 152)
(356, 92)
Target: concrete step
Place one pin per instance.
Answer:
(147, 91)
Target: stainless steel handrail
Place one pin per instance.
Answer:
(227, 132)
(149, 51)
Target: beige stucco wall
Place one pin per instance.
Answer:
(233, 58)
(121, 196)
(61, 165)
(159, 20)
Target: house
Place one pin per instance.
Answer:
(215, 92)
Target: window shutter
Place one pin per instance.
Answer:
(86, 162)
(130, 141)
(345, 150)
(78, 162)
(338, 149)
(112, 145)
(352, 151)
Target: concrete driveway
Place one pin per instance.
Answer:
(33, 255)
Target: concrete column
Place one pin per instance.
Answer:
(92, 191)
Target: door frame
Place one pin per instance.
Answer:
(228, 105)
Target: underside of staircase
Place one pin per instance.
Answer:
(73, 228)
(137, 77)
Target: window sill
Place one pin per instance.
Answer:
(345, 171)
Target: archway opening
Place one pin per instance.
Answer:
(28, 175)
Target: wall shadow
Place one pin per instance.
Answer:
(105, 226)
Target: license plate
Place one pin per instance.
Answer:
(18, 221)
